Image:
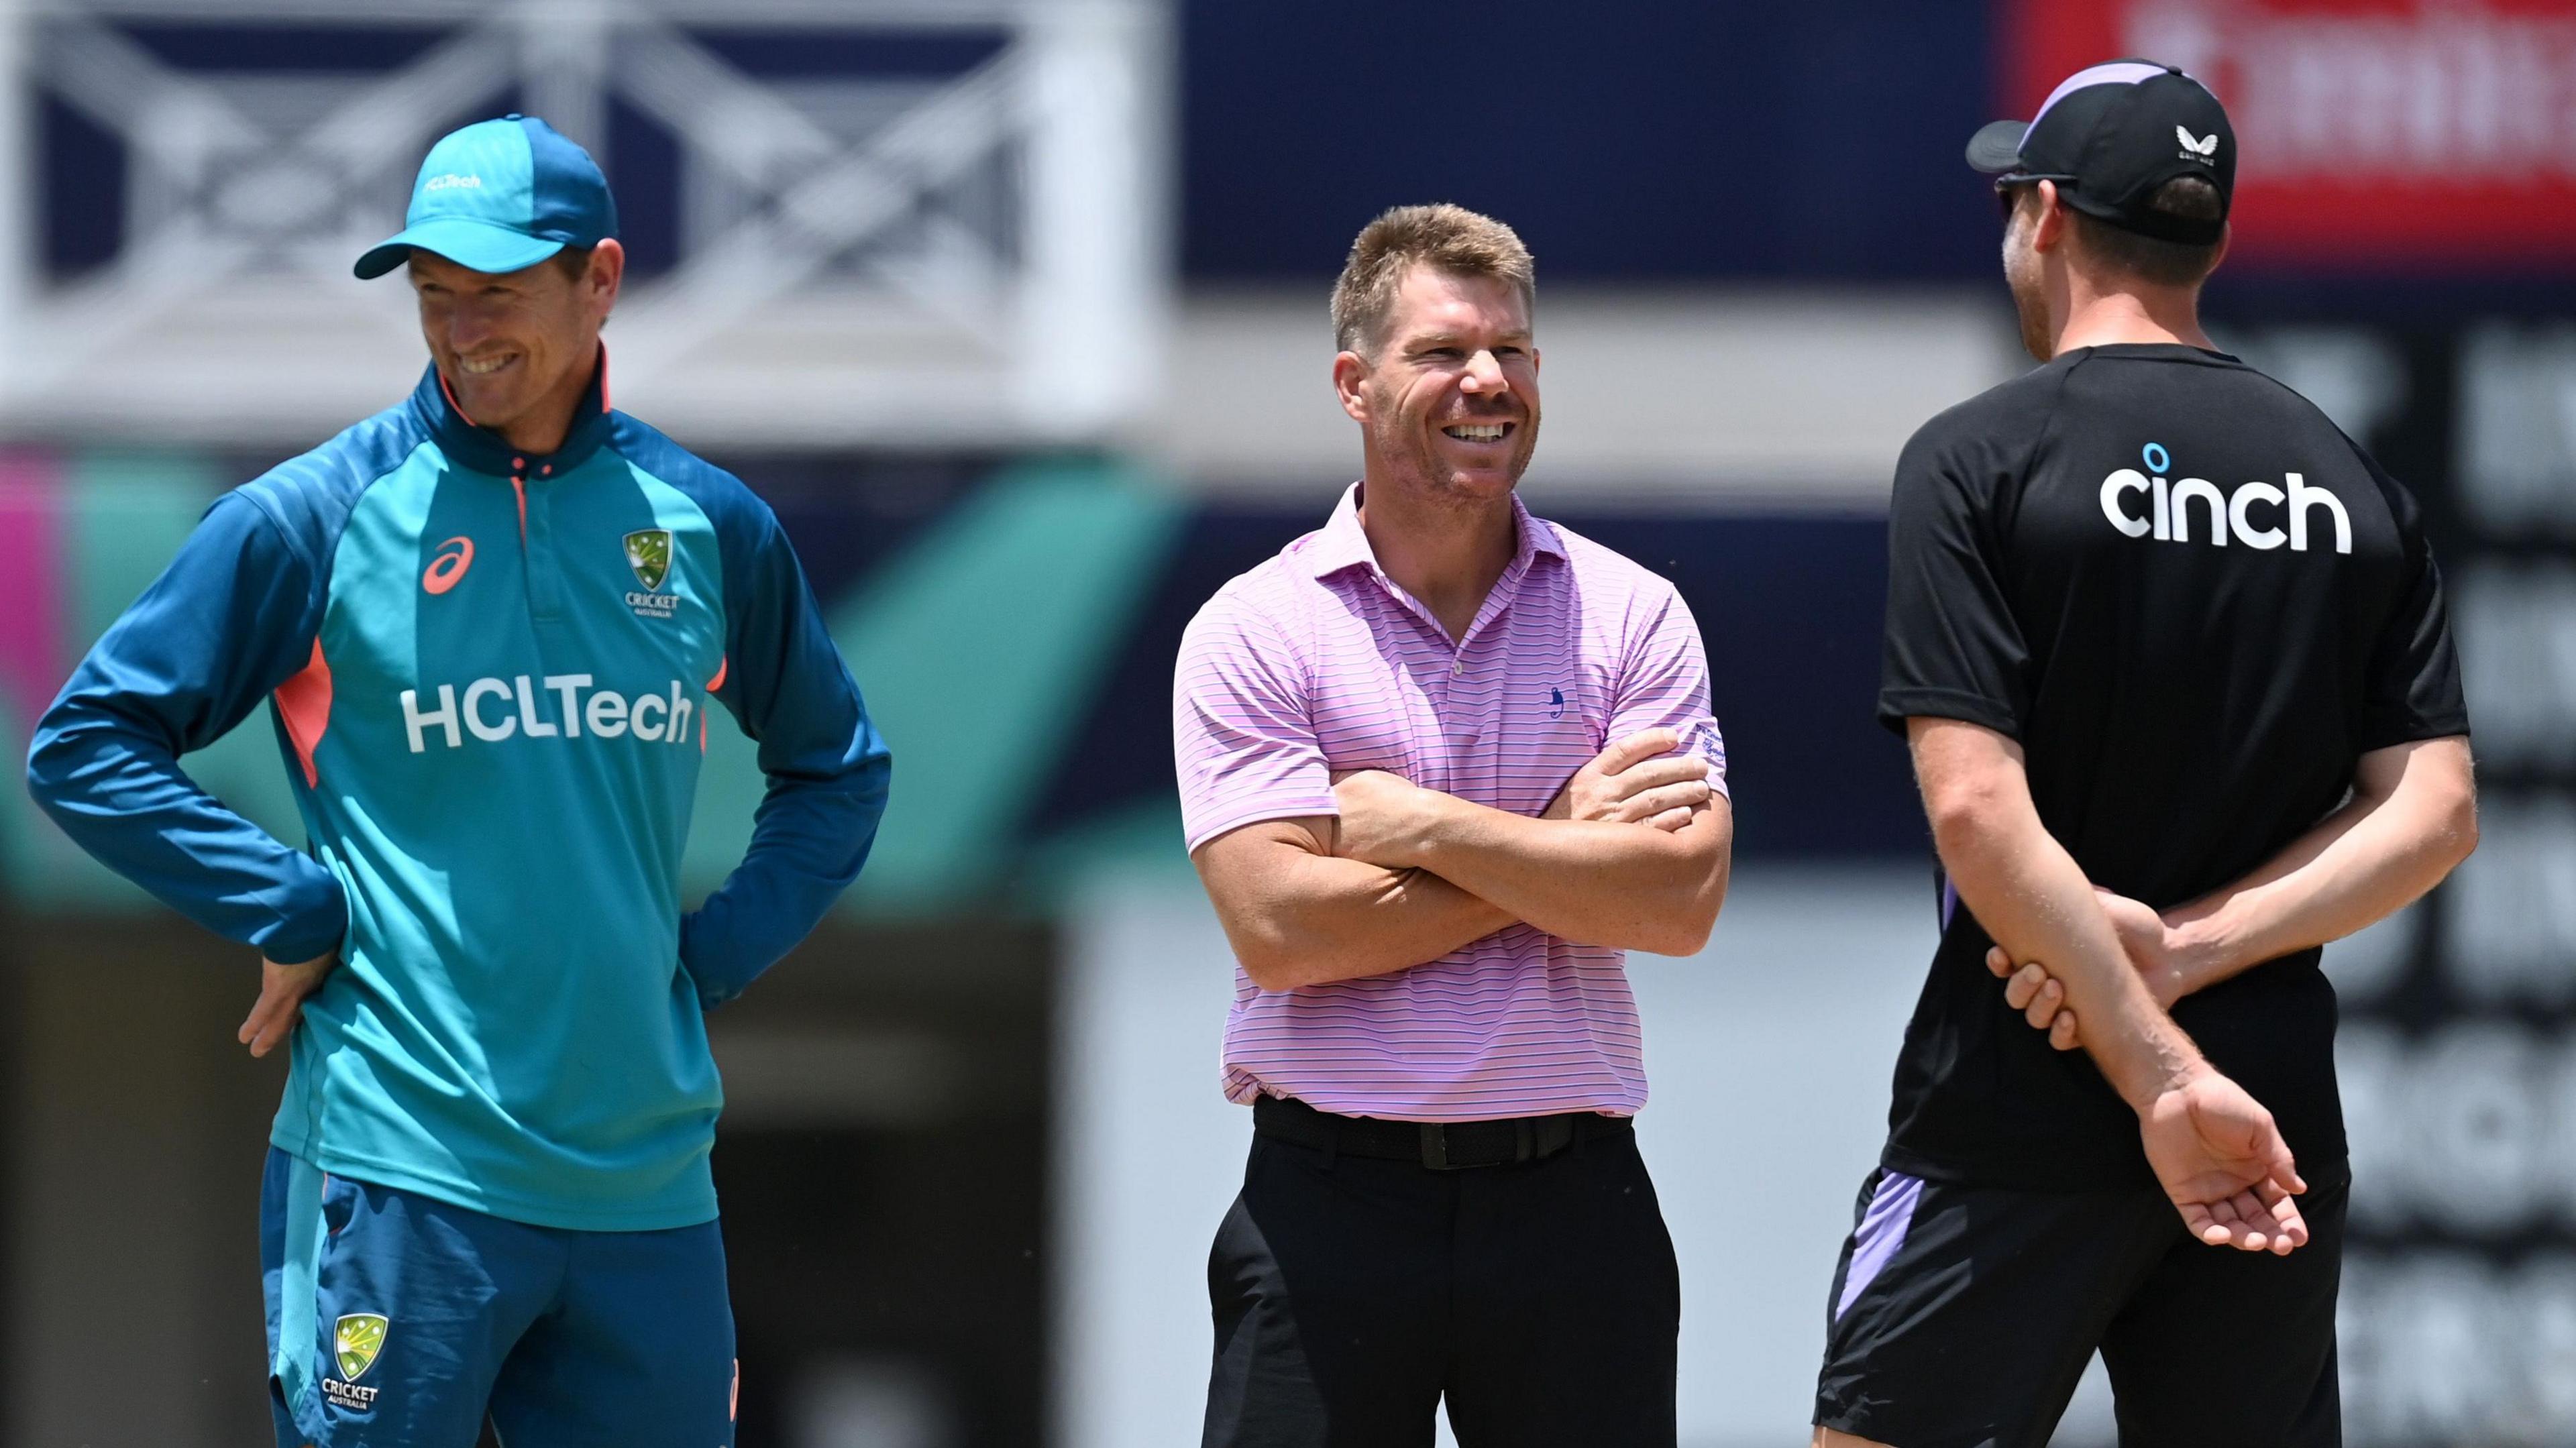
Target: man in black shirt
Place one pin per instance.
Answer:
(2162, 640)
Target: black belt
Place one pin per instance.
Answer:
(1441, 1146)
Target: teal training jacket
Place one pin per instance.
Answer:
(490, 674)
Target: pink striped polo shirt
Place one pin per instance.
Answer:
(1316, 662)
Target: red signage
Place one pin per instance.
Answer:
(2373, 132)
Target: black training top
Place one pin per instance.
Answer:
(2195, 603)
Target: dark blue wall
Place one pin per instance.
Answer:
(1679, 140)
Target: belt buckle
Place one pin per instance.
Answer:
(1435, 1146)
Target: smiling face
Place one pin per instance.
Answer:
(1448, 405)
(517, 348)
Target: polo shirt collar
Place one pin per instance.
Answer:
(1342, 543)
(481, 449)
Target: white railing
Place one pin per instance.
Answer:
(968, 259)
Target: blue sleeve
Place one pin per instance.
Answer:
(231, 618)
(784, 680)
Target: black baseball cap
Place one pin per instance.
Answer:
(2109, 135)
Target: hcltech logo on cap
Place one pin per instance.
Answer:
(500, 196)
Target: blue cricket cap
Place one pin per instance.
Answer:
(500, 195)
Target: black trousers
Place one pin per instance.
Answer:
(1351, 1294)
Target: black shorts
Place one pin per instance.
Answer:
(1961, 1317)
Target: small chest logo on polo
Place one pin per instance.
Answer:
(357, 1339)
(648, 553)
(2168, 507)
(1555, 703)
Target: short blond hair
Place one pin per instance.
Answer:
(1448, 239)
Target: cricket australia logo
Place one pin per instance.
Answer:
(648, 553)
(356, 1341)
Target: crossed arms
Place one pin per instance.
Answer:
(1632, 854)
(2099, 971)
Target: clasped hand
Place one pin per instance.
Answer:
(2215, 1150)
(2144, 938)
(1387, 821)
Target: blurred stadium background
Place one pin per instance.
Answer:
(1016, 313)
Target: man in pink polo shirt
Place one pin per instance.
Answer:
(1442, 764)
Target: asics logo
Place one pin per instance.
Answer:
(493, 709)
(2168, 509)
(448, 569)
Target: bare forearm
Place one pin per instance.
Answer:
(2367, 860)
(2034, 900)
(1313, 919)
(1618, 885)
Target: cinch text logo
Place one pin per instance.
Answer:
(496, 709)
(451, 181)
(2168, 508)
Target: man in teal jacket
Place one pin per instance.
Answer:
(491, 622)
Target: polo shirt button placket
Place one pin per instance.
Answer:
(1460, 728)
